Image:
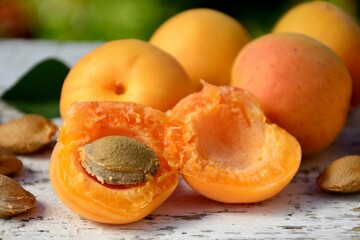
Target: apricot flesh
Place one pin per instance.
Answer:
(228, 151)
(84, 194)
(128, 70)
(302, 85)
(205, 42)
(333, 27)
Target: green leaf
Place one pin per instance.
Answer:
(39, 90)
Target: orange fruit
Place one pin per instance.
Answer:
(204, 41)
(88, 121)
(126, 70)
(227, 149)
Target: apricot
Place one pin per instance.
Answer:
(204, 41)
(333, 27)
(302, 85)
(227, 149)
(88, 193)
(126, 70)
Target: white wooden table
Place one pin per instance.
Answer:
(300, 211)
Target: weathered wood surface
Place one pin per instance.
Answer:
(300, 211)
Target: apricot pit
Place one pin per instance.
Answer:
(9, 163)
(14, 199)
(341, 175)
(27, 134)
(119, 160)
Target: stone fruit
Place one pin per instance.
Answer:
(108, 192)
(228, 151)
(126, 70)
(204, 41)
(332, 26)
(302, 85)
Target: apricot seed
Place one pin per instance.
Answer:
(9, 163)
(342, 175)
(14, 199)
(119, 160)
(27, 134)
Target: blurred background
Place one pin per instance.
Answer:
(103, 20)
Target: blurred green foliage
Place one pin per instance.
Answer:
(98, 19)
(115, 19)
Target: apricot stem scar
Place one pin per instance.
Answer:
(119, 88)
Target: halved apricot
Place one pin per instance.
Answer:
(227, 149)
(86, 195)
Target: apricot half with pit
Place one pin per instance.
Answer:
(109, 164)
(227, 149)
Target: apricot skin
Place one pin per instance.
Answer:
(302, 86)
(204, 41)
(333, 27)
(126, 70)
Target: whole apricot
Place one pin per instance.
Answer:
(332, 26)
(126, 70)
(303, 86)
(204, 41)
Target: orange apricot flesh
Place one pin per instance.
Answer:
(82, 193)
(227, 149)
